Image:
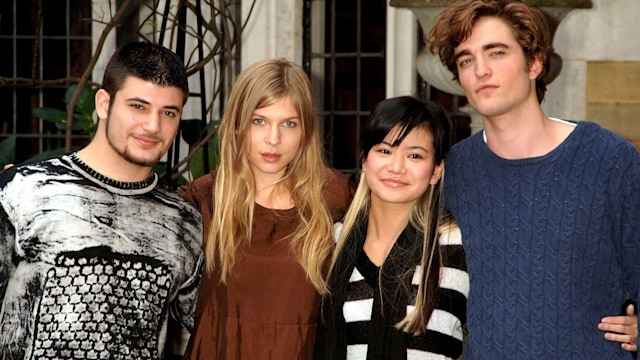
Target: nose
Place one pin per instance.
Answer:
(396, 164)
(273, 136)
(152, 123)
(482, 68)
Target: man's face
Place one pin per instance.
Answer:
(493, 70)
(142, 121)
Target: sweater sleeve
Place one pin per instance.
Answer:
(7, 240)
(630, 222)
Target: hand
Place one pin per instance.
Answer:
(623, 329)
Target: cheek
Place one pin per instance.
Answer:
(424, 173)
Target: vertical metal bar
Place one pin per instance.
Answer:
(203, 95)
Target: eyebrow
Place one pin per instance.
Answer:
(170, 107)
(409, 147)
(484, 48)
(292, 117)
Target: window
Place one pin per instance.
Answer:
(345, 57)
(46, 47)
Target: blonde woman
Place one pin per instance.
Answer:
(398, 283)
(271, 205)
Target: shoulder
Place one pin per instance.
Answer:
(590, 131)
(338, 192)
(450, 234)
(465, 152)
(199, 190)
(612, 149)
(337, 180)
(33, 172)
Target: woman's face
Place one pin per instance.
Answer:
(402, 174)
(274, 139)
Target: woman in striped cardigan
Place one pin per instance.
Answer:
(398, 282)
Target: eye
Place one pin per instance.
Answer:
(415, 156)
(464, 62)
(290, 123)
(170, 114)
(497, 53)
(258, 121)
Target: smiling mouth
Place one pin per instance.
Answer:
(147, 141)
(393, 183)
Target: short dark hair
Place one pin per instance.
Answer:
(147, 61)
(529, 25)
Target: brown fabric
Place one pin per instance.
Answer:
(268, 309)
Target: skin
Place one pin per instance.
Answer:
(274, 141)
(135, 131)
(623, 329)
(397, 177)
(500, 85)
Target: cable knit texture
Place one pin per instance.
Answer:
(552, 244)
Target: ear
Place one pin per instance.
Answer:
(102, 103)
(536, 67)
(438, 170)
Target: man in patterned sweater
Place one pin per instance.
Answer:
(94, 252)
(549, 209)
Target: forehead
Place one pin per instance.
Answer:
(280, 108)
(158, 95)
(488, 30)
(418, 136)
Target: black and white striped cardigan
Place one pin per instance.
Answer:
(443, 338)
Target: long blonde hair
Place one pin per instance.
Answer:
(258, 86)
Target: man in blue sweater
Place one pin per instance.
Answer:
(549, 209)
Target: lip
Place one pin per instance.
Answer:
(393, 183)
(147, 141)
(271, 157)
(485, 87)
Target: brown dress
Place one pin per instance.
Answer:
(267, 309)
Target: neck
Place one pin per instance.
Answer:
(107, 162)
(275, 196)
(386, 222)
(524, 135)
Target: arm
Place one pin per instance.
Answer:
(184, 306)
(7, 241)
(624, 329)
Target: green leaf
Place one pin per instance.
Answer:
(8, 150)
(196, 163)
(50, 114)
(86, 102)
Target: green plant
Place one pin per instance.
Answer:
(83, 121)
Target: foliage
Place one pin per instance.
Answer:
(214, 26)
(193, 133)
(83, 121)
(8, 150)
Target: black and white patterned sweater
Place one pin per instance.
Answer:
(91, 267)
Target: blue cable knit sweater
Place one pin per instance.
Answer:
(552, 244)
